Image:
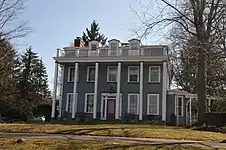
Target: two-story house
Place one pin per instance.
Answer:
(121, 81)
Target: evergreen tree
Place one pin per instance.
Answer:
(93, 34)
(26, 101)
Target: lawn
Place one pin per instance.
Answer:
(126, 130)
(37, 144)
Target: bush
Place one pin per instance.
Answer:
(217, 119)
(43, 110)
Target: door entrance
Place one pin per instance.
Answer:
(108, 106)
(110, 109)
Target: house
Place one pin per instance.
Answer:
(121, 81)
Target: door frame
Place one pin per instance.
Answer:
(104, 98)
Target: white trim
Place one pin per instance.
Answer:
(112, 59)
(61, 92)
(141, 90)
(130, 94)
(177, 92)
(176, 102)
(85, 107)
(129, 72)
(108, 73)
(95, 91)
(67, 101)
(117, 102)
(74, 104)
(87, 73)
(104, 99)
(68, 74)
(54, 91)
(164, 89)
(149, 74)
(148, 103)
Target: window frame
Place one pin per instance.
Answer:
(67, 102)
(129, 73)
(86, 100)
(149, 74)
(109, 72)
(68, 74)
(148, 104)
(138, 103)
(88, 71)
(182, 105)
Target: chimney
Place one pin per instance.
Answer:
(78, 43)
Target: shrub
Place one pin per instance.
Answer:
(214, 118)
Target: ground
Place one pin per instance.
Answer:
(56, 144)
(105, 136)
(123, 130)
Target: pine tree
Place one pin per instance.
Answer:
(26, 101)
(93, 34)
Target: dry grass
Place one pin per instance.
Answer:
(126, 130)
(37, 144)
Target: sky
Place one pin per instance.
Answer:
(55, 23)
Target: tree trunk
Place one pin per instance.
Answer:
(201, 85)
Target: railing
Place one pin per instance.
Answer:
(111, 53)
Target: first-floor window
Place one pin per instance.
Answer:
(179, 106)
(133, 103)
(69, 102)
(89, 102)
(153, 104)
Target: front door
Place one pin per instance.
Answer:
(110, 109)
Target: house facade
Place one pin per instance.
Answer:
(121, 81)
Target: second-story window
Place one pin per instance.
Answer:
(154, 74)
(71, 74)
(133, 74)
(112, 74)
(90, 74)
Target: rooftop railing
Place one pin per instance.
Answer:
(111, 52)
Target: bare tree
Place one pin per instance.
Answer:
(199, 19)
(10, 24)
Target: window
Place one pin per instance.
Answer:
(153, 104)
(69, 102)
(133, 74)
(89, 102)
(179, 106)
(93, 47)
(133, 103)
(112, 74)
(71, 74)
(134, 46)
(113, 46)
(90, 74)
(154, 74)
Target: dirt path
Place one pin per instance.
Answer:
(140, 141)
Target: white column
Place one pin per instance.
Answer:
(164, 90)
(117, 105)
(61, 91)
(190, 110)
(95, 91)
(54, 91)
(74, 104)
(141, 90)
(55, 87)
